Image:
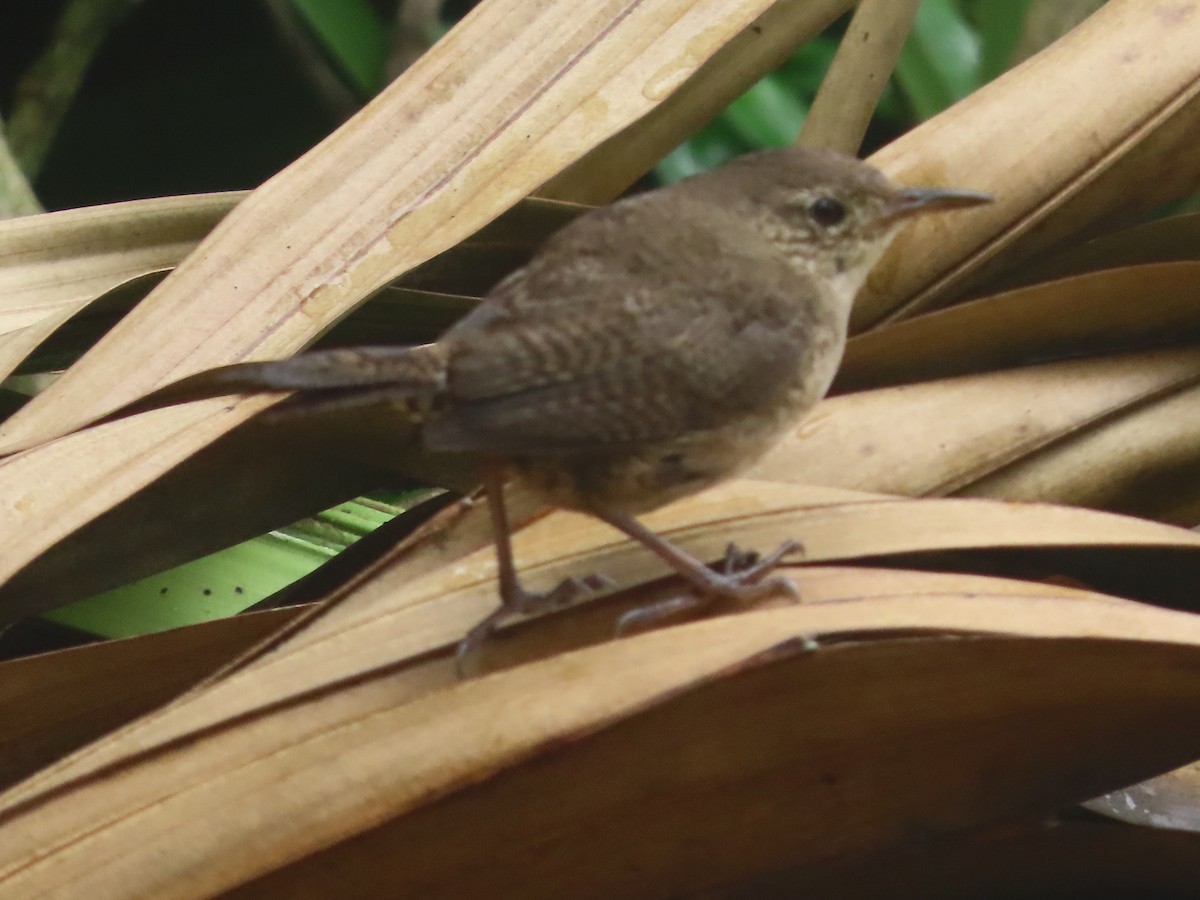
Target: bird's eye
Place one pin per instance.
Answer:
(826, 212)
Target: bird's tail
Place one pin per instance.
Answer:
(417, 369)
(411, 376)
(410, 379)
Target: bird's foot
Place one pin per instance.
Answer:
(520, 602)
(749, 566)
(567, 591)
(740, 579)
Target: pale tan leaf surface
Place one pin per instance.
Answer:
(471, 267)
(436, 591)
(699, 95)
(1100, 312)
(450, 536)
(1175, 239)
(1062, 150)
(57, 266)
(52, 265)
(52, 703)
(428, 600)
(569, 746)
(709, 826)
(1144, 463)
(73, 337)
(394, 315)
(942, 437)
(412, 314)
(1163, 147)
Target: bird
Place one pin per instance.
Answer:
(648, 350)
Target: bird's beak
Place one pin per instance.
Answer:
(915, 201)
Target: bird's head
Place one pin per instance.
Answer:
(830, 214)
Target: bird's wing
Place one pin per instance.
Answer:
(644, 362)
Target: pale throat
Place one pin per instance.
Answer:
(841, 276)
(846, 274)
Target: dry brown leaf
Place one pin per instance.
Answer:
(1100, 312)
(32, 495)
(942, 437)
(52, 265)
(423, 604)
(858, 75)
(52, 703)
(1061, 149)
(1175, 239)
(1145, 462)
(526, 773)
(57, 266)
(699, 94)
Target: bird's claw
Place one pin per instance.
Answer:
(749, 566)
(565, 592)
(525, 603)
(643, 618)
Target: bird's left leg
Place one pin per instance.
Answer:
(515, 600)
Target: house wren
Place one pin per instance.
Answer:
(649, 350)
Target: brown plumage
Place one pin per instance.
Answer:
(649, 350)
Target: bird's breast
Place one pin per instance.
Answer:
(640, 479)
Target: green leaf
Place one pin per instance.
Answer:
(998, 24)
(228, 581)
(805, 69)
(940, 63)
(767, 115)
(715, 144)
(353, 36)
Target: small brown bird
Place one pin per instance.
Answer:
(649, 350)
